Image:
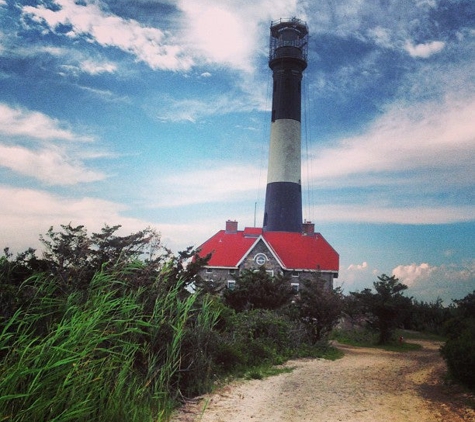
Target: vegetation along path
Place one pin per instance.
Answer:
(365, 385)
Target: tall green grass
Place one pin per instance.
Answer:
(103, 354)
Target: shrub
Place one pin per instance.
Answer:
(459, 354)
(258, 290)
(459, 350)
(319, 308)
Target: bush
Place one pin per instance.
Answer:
(459, 354)
(459, 350)
(319, 308)
(255, 338)
(258, 290)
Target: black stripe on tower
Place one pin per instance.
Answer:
(287, 59)
(286, 95)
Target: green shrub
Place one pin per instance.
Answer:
(459, 354)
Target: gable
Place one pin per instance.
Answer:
(258, 248)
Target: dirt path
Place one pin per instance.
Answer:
(365, 385)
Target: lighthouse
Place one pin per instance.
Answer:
(287, 60)
(284, 245)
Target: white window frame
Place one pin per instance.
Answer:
(258, 257)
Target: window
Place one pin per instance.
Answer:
(209, 270)
(231, 284)
(232, 271)
(295, 287)
(260, 259)
(295, 273)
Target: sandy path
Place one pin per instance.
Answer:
(366, 385)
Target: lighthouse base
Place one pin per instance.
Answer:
(283, 207)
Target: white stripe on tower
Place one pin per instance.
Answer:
(284, 152)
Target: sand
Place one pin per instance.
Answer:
(365, 385)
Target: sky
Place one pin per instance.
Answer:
(156, 113)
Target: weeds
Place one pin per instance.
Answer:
(99, 358)
(366, 338)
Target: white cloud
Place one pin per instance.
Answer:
(96, 68)
(55, 162)
(430, 282)
(27, 213)
(409, 274)
(356, 277)
(376, 211)
(51, 166)
(424, 50)
(426, 144)
(425, 282)
(33, 124)
(192, 110)
(214, 184)
(381, 36)
(149, 45)
(358, 267)
(228, 32)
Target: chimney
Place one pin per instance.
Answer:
(231, 227)
(308, 228)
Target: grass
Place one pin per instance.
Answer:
(364, 338)
(266, 371)
(103, 358)
(416, 335)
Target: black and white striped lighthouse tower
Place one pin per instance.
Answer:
(288, 60)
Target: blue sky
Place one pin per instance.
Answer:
(156, 113)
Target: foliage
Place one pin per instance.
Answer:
(73, 257)
(459, 350)
(459, 354)
(364, 337)
(106, 327)
(385, 309)
(254, 337)
(258, 290)
(428, 317)
(99, 357)
(318, 307)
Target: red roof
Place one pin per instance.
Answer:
(294, 251)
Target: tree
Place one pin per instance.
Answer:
(319, 307)
(385, 309)
(428, 316)
(258, 290)
(74, 257)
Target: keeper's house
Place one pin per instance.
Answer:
(298, 255)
